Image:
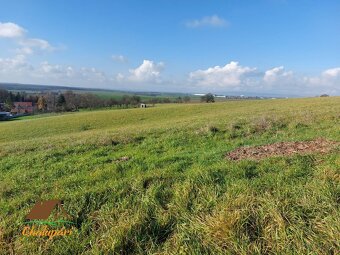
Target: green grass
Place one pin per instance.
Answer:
(176, 194)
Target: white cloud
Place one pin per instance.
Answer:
(119, 58)
(332, 73)
(24, 51)
(32, 45)
(69, 74)
(18, 69)
(209, 21)
(230, 75)
(17, 64)
(27, 46)
(328, 82)
(277, 74)
(35, 43)
(11, 30)
(147, 71)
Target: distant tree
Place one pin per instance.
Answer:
(72, 101)
(126, 100)
(112, 102)
(4, 95)
(208, 98)
(324, 95)
(166, 100)
(89, 100)
(179, 100)
(42, 105)
(186, 99)
(17, 97)
(6, 107)
(154, 101)
(135, 100)
(61, 100)
(61, 103)
(51, 101)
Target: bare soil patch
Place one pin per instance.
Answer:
(283, 149)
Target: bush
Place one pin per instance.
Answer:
(208, 98)
(266, 123)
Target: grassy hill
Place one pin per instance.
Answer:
(156, 180)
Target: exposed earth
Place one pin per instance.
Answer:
(319, 145)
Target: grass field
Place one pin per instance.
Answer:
(156, 181)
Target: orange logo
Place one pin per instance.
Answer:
(37, 223)
(43, 209)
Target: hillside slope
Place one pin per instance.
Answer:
(156, 180)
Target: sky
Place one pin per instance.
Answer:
(283, 47)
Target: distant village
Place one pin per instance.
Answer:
(16, 104)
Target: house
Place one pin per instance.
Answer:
(22, 108)
(142, 105)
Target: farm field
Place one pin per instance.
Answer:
(157, 180)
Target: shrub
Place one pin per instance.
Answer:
(208, 129)
(208, 98)
(267, 123)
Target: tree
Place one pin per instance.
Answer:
(166, 100)
(42, 105)
(51, 101)
(178, 100)
(208, 98)
(72, 102)
(111, 102)
(61, 103)
(126, 100)
(135, 100)
(4, 95)
(186, 99)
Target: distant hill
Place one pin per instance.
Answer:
(33, 87)
(102, 92)
(107, 92)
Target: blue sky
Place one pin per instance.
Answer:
(265, 46)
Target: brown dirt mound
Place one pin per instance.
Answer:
(282, 149)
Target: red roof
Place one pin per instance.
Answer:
(23, 104)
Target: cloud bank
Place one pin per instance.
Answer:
(234, 77)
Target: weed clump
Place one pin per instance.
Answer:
(302, 120)
(84, 127)
(267, 123)
(207, 130)
(237, 129)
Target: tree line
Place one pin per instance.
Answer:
(70, 101)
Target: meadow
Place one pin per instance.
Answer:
(156, 180)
